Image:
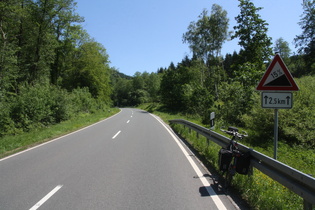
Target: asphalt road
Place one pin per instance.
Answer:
(129, 161)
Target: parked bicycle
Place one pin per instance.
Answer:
(231, 159)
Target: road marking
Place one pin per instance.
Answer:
(116, 134)
(204, 181)
(44, 199)
(56, 139)
(128, 121)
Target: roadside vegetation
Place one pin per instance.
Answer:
(53, 75)
(11, 144)
(260, 191)
(55, 78)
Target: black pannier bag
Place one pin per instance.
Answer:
(225, 157)
(242, 163)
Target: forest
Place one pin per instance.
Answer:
(51, 70)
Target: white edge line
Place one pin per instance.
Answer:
(44, 199)
(48, 142)
(204, 181)
(116, 134)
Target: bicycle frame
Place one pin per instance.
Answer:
(236, 154)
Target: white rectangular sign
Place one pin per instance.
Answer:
(277, 100)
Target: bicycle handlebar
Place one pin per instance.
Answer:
(235, 133)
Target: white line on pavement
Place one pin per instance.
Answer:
(56, 139)
(44, 199)
(116, 134)
(204, 181)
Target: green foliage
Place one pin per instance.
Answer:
(42, 105)
(40, 45)
(248, 73)
(182, 88)
(282, 47)
(252, 33)
(90, 69)
(234, 101)
(306, 41)
(6, 122)
(81, 100)
(260, 121)
(132, 91)
(259, 190)
(296, 125)
(34, 106)
(206, 36)
(10, 144)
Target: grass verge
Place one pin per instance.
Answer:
(260, 191)
(13, 144)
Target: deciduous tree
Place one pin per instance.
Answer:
(252, 34)
(306, 41)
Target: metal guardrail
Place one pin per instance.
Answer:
(298, 182)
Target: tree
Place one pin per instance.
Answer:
(282, 47)
(65, 30)
(90, 69)
(252, 33)
(306, 41)
(8, 45)
(206, 36)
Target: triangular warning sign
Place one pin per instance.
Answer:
(277, 77)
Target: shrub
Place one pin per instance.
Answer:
(234, 101)
(6, 123)
(38, 105)
(41, 105)
(296, 125)
(81, 100)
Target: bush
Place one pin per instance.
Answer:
(6, 123)
(81, 100)
(38, 105)
(42, 105)
(234, 101)
(296, 125)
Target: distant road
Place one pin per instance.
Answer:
(129, 161)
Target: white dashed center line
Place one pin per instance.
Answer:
(44, 199)
(116, 134)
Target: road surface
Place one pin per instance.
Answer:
(129, 161)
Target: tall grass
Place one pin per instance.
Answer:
(260, 191)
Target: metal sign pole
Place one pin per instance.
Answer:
(276, 135)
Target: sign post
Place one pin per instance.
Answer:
(276, 135)
(212, 116)
(278, 84)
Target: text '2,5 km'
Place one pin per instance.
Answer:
(276, 100)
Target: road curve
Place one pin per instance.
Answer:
(129, 161)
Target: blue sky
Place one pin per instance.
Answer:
(144, 35)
